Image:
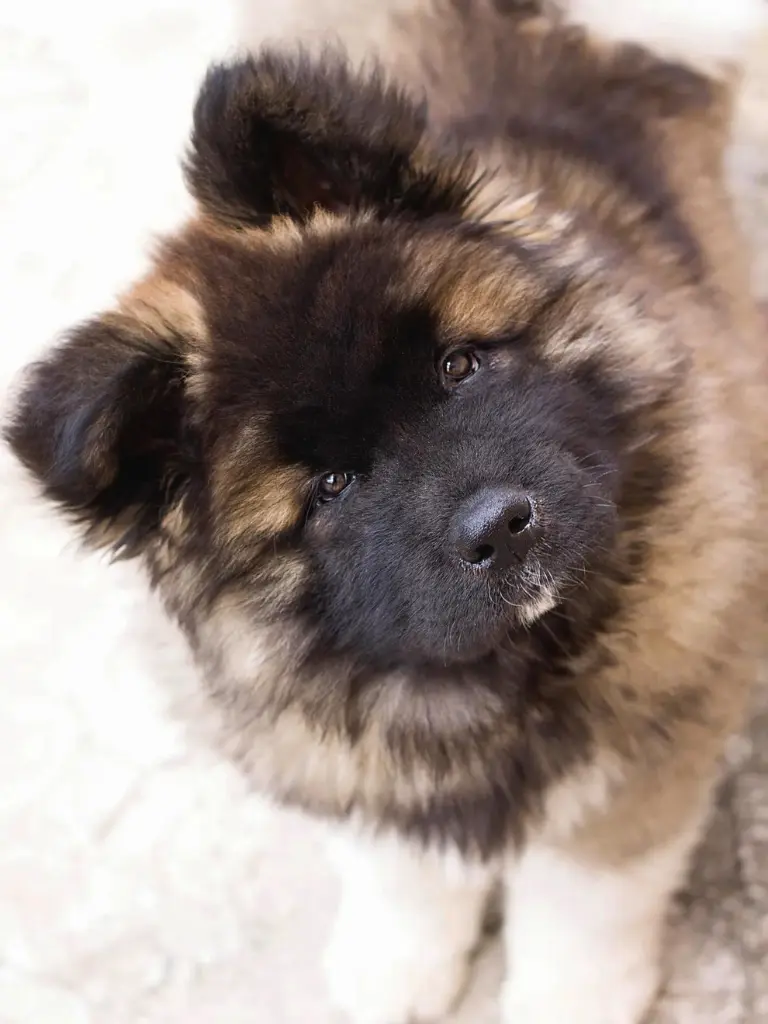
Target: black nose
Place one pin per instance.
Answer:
(494, 527)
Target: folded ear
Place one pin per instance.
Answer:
(279, 135)
(99, 423)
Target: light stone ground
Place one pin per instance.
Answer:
(139, 884)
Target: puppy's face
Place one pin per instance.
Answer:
(337, 375)
(384, 409)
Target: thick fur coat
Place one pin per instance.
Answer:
(528, 283)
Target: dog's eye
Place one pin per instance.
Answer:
(458, 365)
(331, 485)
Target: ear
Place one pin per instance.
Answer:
(277, 135)
(99, 423)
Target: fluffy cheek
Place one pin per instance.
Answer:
(578, 513)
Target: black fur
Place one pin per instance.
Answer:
(101, 423)
(272, 136)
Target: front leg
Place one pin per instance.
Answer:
(584, 933)
(406, 926)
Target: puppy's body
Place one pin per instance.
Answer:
(564, 715)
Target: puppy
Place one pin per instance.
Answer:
(441, 430)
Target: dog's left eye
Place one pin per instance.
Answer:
(331, 485)
(458, 365)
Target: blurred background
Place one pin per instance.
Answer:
(139, 884)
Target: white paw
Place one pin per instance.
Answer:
(375, 983)
(595, 999)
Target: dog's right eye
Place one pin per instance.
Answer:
(458, 365)
(332, 485)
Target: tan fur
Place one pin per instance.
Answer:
(694, 613)
(702, 615)
(710, 602)
(669, 680)
(165, 309)
(662, 299)
(258, 504)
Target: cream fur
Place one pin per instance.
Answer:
(404, 931)
(583, 940)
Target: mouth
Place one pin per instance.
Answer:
(514, 605)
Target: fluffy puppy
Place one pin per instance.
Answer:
(441, 430)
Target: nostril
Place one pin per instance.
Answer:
(521, 520)
(477, 555)
(484, 553)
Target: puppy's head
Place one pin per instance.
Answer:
(339, 372)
